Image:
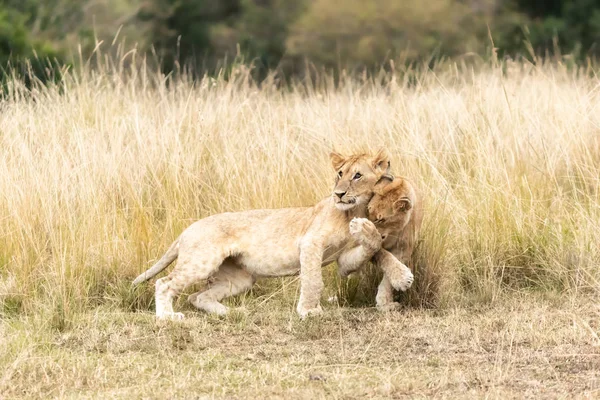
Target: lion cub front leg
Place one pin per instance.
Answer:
(399, 275)
(369, 240)
(385, 296)
(311, 276)
(396, 275)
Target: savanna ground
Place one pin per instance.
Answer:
(102, 170)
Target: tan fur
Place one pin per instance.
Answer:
(235, 248)
(397, 211)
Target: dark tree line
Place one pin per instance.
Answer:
(275, 33)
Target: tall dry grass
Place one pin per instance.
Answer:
(102, 170)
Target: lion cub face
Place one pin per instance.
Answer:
(356, 177)
(391, 206)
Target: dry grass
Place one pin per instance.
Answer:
(521, 348)
(99, 173)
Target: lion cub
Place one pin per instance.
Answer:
(397, 212)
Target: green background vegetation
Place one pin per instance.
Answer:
(276, 33)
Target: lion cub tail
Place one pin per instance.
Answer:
(163, 263)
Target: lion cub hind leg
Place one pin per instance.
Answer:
(190, 269)
(229, 281)
(163, 298)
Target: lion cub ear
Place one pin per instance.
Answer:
(403, 204)
(381, 161)
(385, 180)
(337, 160)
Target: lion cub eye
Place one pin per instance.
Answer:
(340, 174)
(357, 176)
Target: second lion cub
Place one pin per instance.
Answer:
(397, 211)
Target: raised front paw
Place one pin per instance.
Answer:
(365, 232)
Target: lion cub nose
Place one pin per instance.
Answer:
(340, 194)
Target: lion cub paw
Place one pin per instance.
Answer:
(365, 232)
(173, 316)
(308, 312)
(401, 279)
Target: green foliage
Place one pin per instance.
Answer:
(573, 26)
(205, 32)
(14, 38)
(361, 33)
(354, 33)
(191, 29)
(35, 33)
(264, 28)
(20, 53)
(284, 34)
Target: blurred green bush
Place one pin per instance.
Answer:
(278, 33)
